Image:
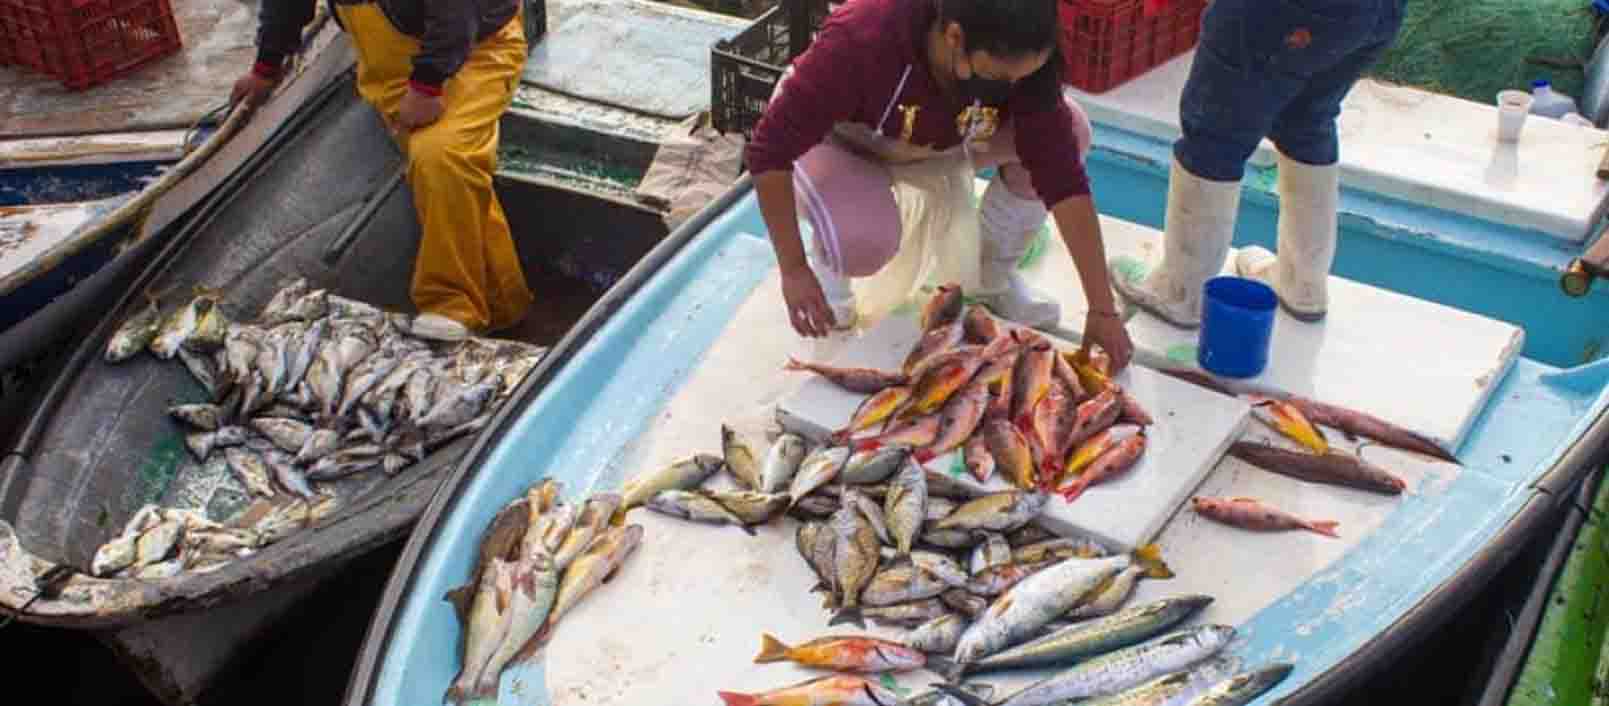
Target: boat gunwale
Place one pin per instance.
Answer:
(377, 638)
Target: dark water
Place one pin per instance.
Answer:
(308, 656)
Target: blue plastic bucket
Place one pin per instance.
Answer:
(1237, 326)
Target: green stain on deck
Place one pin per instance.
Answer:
(958, 465)
(1129, 268)
(159, 469)
(1182, 353)
(889, 683)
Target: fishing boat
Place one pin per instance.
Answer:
(323, 208)
(1446, 319)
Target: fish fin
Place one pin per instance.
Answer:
(960, 694)
(461, 597)
(849, 615)
(748, 530)
(733, 698)
(771, 650)
(1150, 557)
(1324, 527)
(951, 670)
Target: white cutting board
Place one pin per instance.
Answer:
(1194, 426)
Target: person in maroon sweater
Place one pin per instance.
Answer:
(888, 81)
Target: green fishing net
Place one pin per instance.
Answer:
(1474, 48)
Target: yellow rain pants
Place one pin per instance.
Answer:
(467, 268)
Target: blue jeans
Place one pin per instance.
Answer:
(1277, 69)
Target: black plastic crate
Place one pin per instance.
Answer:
(744, 70)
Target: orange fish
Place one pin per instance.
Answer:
(1249, 513)
(1032, 380)
(872, 410)
(943, 307)
(980, 463)
(979, 326)
(933, 342)
(1111, 463)
(1054, 419)
(862, 380)
(1090, 449)
(916, 432)
(848, 653)
(1009, 447)
(1095, 415)
(1288, 419)
(831, 690)
(957, 420)
(1064, 372)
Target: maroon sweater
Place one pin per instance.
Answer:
(853, 72)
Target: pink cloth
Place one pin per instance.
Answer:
(847, 194)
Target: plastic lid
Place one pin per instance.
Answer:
(1601, 6)
(1540, 83)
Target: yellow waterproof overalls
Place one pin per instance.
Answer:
(467, 268)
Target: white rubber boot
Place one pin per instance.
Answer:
(1308, 200)
(1200, 223)
(1007, 226)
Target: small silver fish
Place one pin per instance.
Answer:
(941, 566)
(874, 465)
(304, 349)
(345, 462)
(906, 506)
(992, 551)
(696, 507)
(364, 377)
(871, 510)
(818, 469)
(200, 416)
(901, 583)
(938, 635)
(855, 559)
(252, 471)
(288, 475)
(782, 462)
(459, 405)
(288, 434)
(906, 615)
(206, 373)
(319, 443)
(137, 332)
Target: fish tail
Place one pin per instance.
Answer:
(1150, 557)
(771, 650)
(850, 614)
(962, 695)
(1076, 489)
(1324, 527)
(733, 698)
(951, 670)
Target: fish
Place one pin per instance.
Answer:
(1092, 372)
(855, 559)
(871, 510)
(1092, 448)
(958, 419)
(1031, 380)
(115, 555)
(740, 460)
(948, 538)
(273, 361)
(136, 333)
(287, 474)
(591, 523)
(873, 465)
(941, 485)
(1031, 533)
(938, 506)
(1333, 467)
(905, 507)
(835, 689)
(487, 625)
(906, 615)
(1010, 449)
(158, 571)
(157, 543)
(346, 462)
(998, 512)
(1198, 378)
(753, 508)
(1133, 410)
(500, 540)
(1084, 639)
(1249, 513)
(1095, 415)
(941, 566)
(687, 472)
(364, 377)
(1063, 372)
(211, 322)
(320, 443)
(200, 416)
(1287, 419)
(1125, 668)
(283, 520)
(901, 583)
(863, 381)
(979, 462)
(287, 434)
(204, 370)
(997, 579)
(937, 636)
(920, 431)
(804, 540)
(960, 353)
(937, 384)
(933, 342)
(782, 462)
(846, 653)
(696, 507)
(178, 327)
(873, 410)
(1050, 429)
(251, 470)
(1173, 688)
(992, 551)
(1022, 611)
(819, 468)
(462, 404)
(937, 697)
(1109, 598)
(1111, 463)
(814, 505)
(943, 307)
(1245, 687)
(596, 566)
(964, 602)
(1363, 424)
(1059, 548)
(978, 325)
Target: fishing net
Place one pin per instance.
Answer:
(1474, 48)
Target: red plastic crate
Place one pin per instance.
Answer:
(1107, 42)
(83, 43)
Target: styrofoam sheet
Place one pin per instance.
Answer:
(1193, 428)
(1543, 181)
(1416, 363)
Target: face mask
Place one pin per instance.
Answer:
(989, 91)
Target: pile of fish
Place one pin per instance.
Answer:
(159, 543)
(1003, 395)
(538, 558)
(319, 388)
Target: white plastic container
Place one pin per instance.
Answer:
(1512, 107)
(1550, 103)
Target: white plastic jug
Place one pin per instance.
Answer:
(1549, 103)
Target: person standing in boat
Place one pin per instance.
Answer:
(887, 82)
(1262, 69)
(440, 73)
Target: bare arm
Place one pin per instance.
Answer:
(1080, 227)
(807, 305)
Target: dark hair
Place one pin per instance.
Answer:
(1011, 28)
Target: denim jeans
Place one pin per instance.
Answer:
(1277, 69)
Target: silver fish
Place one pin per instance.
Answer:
(319, 443)
(938, 635)
(252, 471)
(277, 310)
(283, 520)
(205, 372)
(273, 362)
(998, 512)
(683, 474)
(202, 443)
(115, 555)
(1031, 533)
(382, 398)
(590, 524)
(1244, 687)
(536, 585)
(157, 543)
(1126, 668)
(180, 326)
(364, 377)
(304, 351)
(1083, 639)
(136, 333)
(343, 308)
(873, 465)
(324, 376)
(288, 475)
(418, 393)
(394, 463)
(906, 615)
(939, 508)
(200, 416)
(855, 559)
(805, 540)
(871, 510)
(438, 437)
(1110, 597)
(992, 551)
(949, 538)
(459, 406)
(740, 460)
(815, 505)
(941, 566)
(697, 507)
(288, 434)
(906, 506)
(601, 560)
(901, 583)
(818, 469)
(239, 352)
(344, 463)
(782, 462)
(486, 626)
(967, 604)
(1060, 548)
